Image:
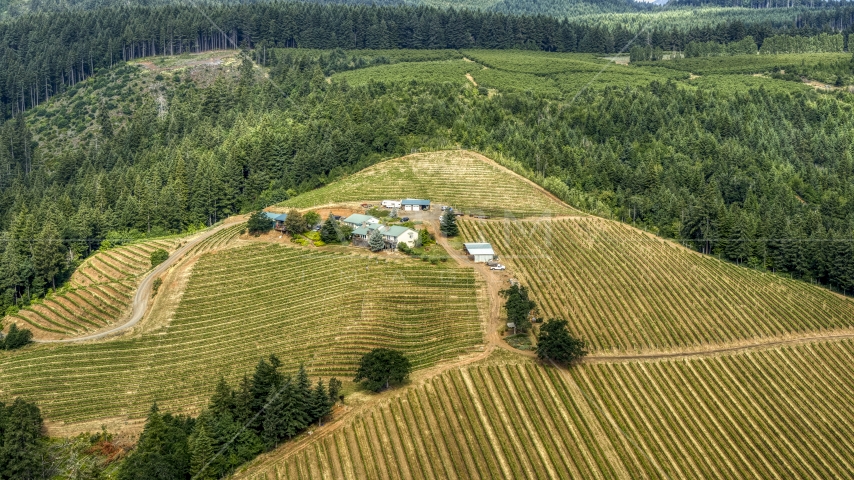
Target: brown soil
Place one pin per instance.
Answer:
(471, 79)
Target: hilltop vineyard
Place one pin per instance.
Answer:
(461, 179)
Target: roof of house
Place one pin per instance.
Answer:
(366, 229)
(415, 201)
(479, 248)
(396, 231)
(358, 219)
(277, 217)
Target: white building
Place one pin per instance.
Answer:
(415, 204)
(480, 252)
(391, 203)
(356, 220)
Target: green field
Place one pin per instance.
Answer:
(461, 179)
(324, 309)
(768, 414)
(624, 290)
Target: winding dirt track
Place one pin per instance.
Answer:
(143, 293)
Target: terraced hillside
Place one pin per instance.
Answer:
(101, 292)
(465, 180)
(624, 290)
(242, 303)
(767, 414)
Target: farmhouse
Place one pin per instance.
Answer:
(480, 252)
(396, 235)
(364, 231)
(279, 218)
(414, 204)
(357, 220)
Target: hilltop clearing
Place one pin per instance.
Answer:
(465, 180)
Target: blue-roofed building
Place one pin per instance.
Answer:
(279, 218)
(414, 204)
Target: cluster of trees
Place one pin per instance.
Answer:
(645, 53)
(556, 344)
(822, 43)
(264, 410)
(519, 307)
(776, 44)
(381, 367)
(745, 46)
(158, 256)
(15, 338)
(22, 442)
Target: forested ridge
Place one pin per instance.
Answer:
(46, 54)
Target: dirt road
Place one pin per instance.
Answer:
(143, 292)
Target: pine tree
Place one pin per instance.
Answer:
(334, 389)
(449, 224)
(201, 453)
(321, 406)
(375, 241)
(330, 233)
(222, 401)
(48, 254)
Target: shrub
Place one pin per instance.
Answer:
(158, 256)
(156, 286)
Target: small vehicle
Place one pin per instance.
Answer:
(316, 228)
(404, 219)
(498, 267)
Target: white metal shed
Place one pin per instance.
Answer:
(480, 252)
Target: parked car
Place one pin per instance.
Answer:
(404, 219)
(498, 267)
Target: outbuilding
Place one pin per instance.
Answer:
(480, 252)
(414, 204)
(279, 218)
(391, 203)
(357, 220)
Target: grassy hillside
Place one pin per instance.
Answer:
(624, 290)
(99, 293)
(462, 179)
(243, 303)
(766, 414)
